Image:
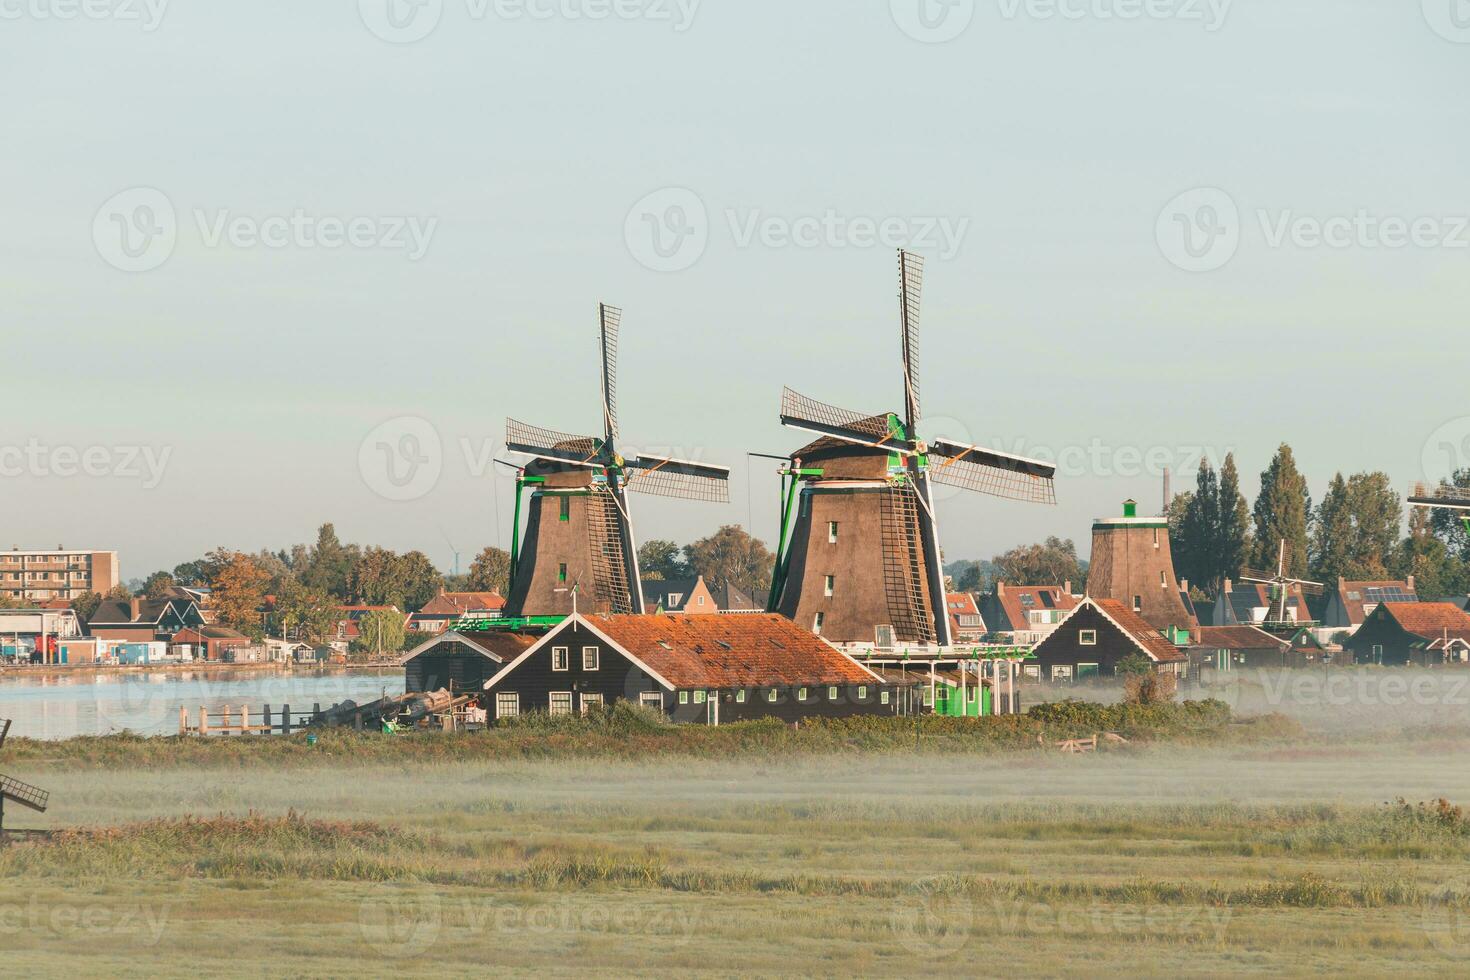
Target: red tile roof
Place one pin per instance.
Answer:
(1042, 597)
(1140, 631)
(460, 603)
(754, 650)
(1238, 638)
(1347, 590)
(1431, 620)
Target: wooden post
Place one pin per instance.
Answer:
(244, 719)
(183, 720)
(316, 711)
(203, 720)
(225, 727)
(268, 728)
(357, 720)
(285, 719)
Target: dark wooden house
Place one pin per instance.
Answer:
(1095, 637)
(1351, 603)
(1242, 647)
(1424, 634)
(461, 662)
(695, 669)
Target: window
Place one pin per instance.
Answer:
(1061, 672)
(817, 623)
(828, 584)
(566, 507)
(700, 602)
(771, 695)
(1138, 603)
(862, 694)
(1032, 670)
(1087, 638)
(1163, 582)
(884, 637)
(831, 694)
(699, 697)
(1086, 670)
(1156, 537)
(683, 697)
(739, 697)
(560, 657)
(507, 705)
(831, 532)
(676, 599)
(801, 694)
(590, 701)
(561, 572)
(883, 697)
(589, 658)
(561, 703)
(651, 699)
(1378, 653)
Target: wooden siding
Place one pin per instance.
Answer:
(1064, 646)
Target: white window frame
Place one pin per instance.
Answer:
(801, 694)
(507, 699)
(831, 693)
(651, 699)
(683, 697)
(700, 697)
(1031, 670)
(551, 703)
(562, 655)
(771, 696)
(829, 585)
(1061, 672)
(589, 699)
(831, 532)
(596, 658)
(862, 694)
(818, 621)
(1087, 638)
(740, 696)
(882, 697)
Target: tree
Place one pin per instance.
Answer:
(1195, 538)
(972, 576)
(85, 605)
(659, 560)
(190, 573)
(421, 581)
(1233, 543)
(1448, 525)
(1424, 555)
(305, 612)
(380, 631)
(1053, 562)
(490, 571)
(731, 556)
(156, 586)
(1281, 514)
(1356, 528)
(238, 591)
(329, 564)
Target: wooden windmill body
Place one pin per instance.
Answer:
(1132, 562)
(579, 550)
(858, 557)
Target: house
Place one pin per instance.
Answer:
(730, 600)
(679, 595)
(1094, 637)
(211, 643)
(1240, 648)
(1026, 614)
(448, 608)
(462, 661)
(143, 620)
(1351, 603)
(36, 633)
(1402, 633)
(347, 630)
(966, 625)
(1249, 603)
(694, 669)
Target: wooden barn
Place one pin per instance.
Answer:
(1095, 636)
(1423, 634)
(695, 669)
(461, 662)
(1244, 647)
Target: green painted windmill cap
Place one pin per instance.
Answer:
(1130, 508)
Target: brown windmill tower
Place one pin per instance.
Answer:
(579, 551)
(1132, 563)
(858, 559)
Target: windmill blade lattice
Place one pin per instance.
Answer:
(911, 286)
(534, 441)
(992, 473)
(666, 477)
(802, 412)
(610, 318)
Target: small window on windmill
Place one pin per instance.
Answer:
(566, 507)
(829, 584)
(883, 637)
(561, 572)
(1163, 581)
(1138, 603)
(817, 623)
(831, 532)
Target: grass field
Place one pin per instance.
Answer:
(416, 856)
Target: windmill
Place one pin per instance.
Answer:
(1280, 583)
(15, 791)
(579, 535)
(858, 557)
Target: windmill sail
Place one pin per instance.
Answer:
(530, 440)
(611, 318)
(800, 412)
(989, 472)
(665, 477)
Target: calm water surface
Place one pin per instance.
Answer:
(67, 703)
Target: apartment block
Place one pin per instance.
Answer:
(38, 576)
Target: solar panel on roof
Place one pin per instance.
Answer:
(1048, 600)
(1027, 599)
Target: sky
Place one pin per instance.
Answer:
(267, 265)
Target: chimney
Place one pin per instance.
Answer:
(135, 607)
(1000, 589)
(1184, 586)
(1067, 587)
(1227, 587)
(1411, 583)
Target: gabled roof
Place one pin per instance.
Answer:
(1238, 604)
(1238, 638)
(119, 612)
(497, 645)
(1009, 606)
(194, 633)
(730, 599)
(1429, 620)
(660, 592)
(963, 604)
(1149, 640)
(758, 650)
(452, 604)
(1355, 595)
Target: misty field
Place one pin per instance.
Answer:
(1170, 859)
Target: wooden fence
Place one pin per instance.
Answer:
(240, 720)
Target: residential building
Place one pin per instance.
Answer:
(143, 620)
(1249, 603)
(1240, 648)
(966, 625)
(679, 595)
(448, 608)
(1423, 634)
(462, 662)
(347, 630)
(730, 600)
(211, 643)
(64, 574)
(1351, 603)
(694, 669)
(1026, 614)
(1095, 636)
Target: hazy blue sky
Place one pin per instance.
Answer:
(522, 135)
